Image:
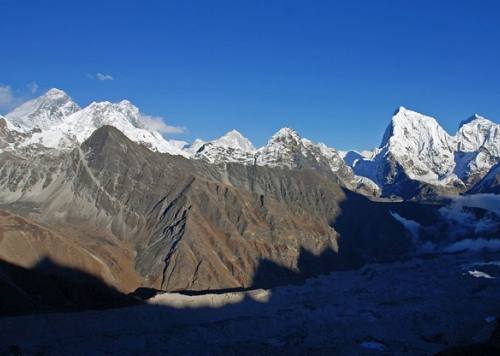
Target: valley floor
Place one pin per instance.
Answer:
(417, 307)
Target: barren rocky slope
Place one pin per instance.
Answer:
(196, 226)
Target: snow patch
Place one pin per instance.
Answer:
(480, 274)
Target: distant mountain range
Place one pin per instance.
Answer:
(416, 159)
(97, 189)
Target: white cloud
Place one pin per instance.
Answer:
(103, 77)
(158, 123)
(100, 76)
(6, 96)
(484, 201)
(33, 87)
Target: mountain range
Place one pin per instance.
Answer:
(99, 210)
(96, 188)
(417, 158)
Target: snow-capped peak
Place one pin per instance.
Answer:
(62, 124)
(478, 133)
(416, 145)
(420, 146)
(285, 134)
(195, 146)
(231, 147)
(281, 149)
(43, 112)
(55, 93)
(407, 123)
(235, 140)
(474, 118)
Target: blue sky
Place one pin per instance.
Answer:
(334, 71)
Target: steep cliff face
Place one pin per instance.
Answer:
(419, 159)
(192, 225)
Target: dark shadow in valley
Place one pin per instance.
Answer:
(367, 232)
(48, 287)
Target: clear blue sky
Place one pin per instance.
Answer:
(335, 71)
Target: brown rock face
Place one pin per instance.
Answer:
(26, 244)
(187, 225)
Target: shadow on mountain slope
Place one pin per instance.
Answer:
(48, 287)
(366, 233)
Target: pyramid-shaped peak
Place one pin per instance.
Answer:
(54, 92)
(234, 139)
(44, 111)
(233, 133)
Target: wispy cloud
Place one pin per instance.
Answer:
(100, 76)
(33, 87)
(158, 123)
(13, 97)
(103, 77)
(6, 97)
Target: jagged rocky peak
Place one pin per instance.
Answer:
(285, 134)
(43, 112)
(281, 149)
